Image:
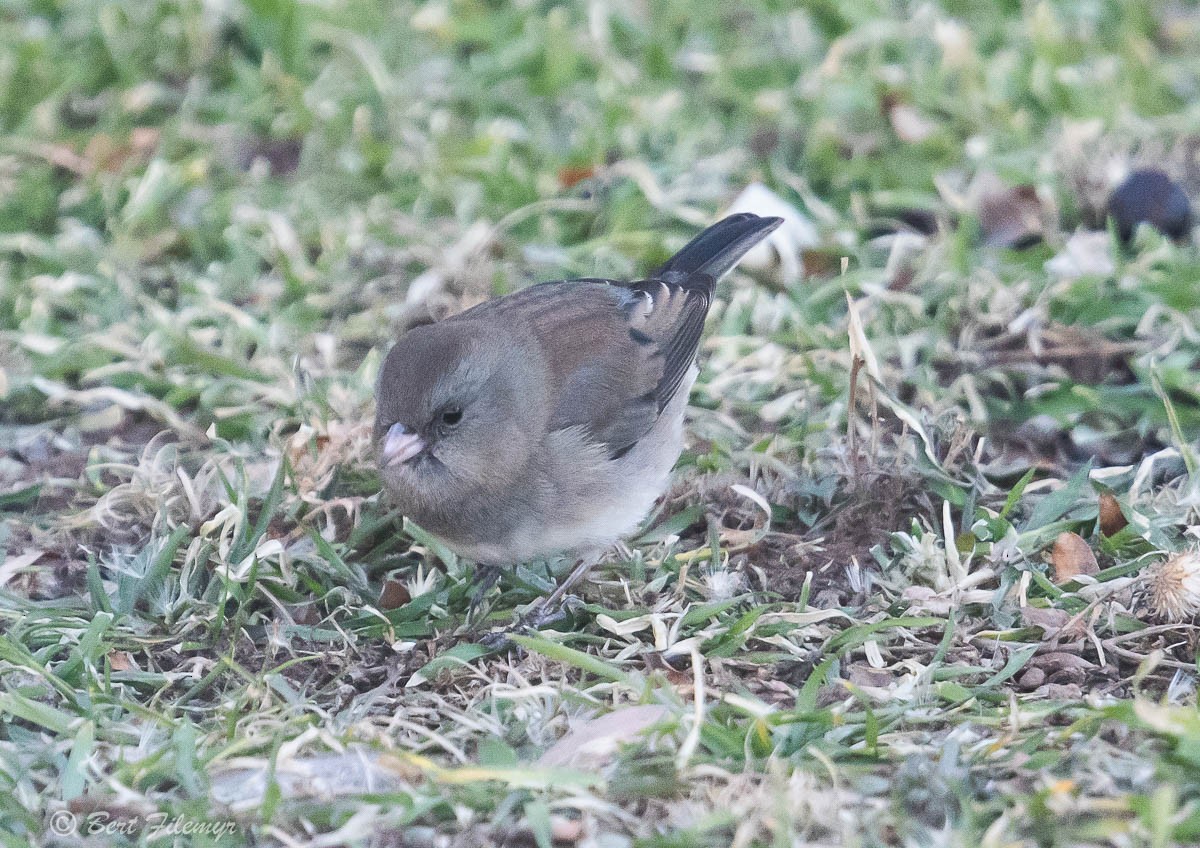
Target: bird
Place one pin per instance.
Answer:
(547, 421)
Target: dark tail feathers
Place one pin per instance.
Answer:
(716, 250)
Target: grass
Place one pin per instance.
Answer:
(847, 616)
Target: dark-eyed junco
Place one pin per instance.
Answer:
(548, 421)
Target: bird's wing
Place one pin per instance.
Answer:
(639, 349)
(616, 353)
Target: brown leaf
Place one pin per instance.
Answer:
(1050, 620)
(1072, 556)
(822, 262)
(1061, 667)
(1056, 661)
(927, 600)
(863, 675)
(305, 614)
(1112, 520)
(572, 175)
(1011, 217)
(394, 595)
(121, 661)
(1054, 624)
(655, 661)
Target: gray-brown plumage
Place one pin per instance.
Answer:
(548, 421)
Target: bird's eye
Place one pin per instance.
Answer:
(451, 416)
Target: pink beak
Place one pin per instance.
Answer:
(400, 445)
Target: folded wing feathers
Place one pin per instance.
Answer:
(663, 317)
(675, 321)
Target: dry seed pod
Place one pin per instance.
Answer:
(1111, 517)
(1173, 587)
(1072, 556)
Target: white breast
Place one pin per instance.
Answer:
(606, 499)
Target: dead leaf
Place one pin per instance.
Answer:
(351, 772)
(822, 262)
(927, 600)
(1085, 254)
(594, 742)
(655, 661)
(863, 675)
(15, 564)
(305, 614)
(1012, 217)
(572, 175)
(1072, 556)
(104, 153)
(1086, 355)
(62, 156)
(394, 595)
(909, 124)
(121, 661)
(956, 41)
(903, 259)
(1050, 620)
(1112, 520)
(1060, 667)
(1057, 661)
(1056, 624)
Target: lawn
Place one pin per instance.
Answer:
(927, 574)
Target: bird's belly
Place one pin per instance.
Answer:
(597, 521)
(609, 498)
(583, 522)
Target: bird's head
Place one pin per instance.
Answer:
(455, 412)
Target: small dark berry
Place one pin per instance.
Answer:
(1150, 196)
